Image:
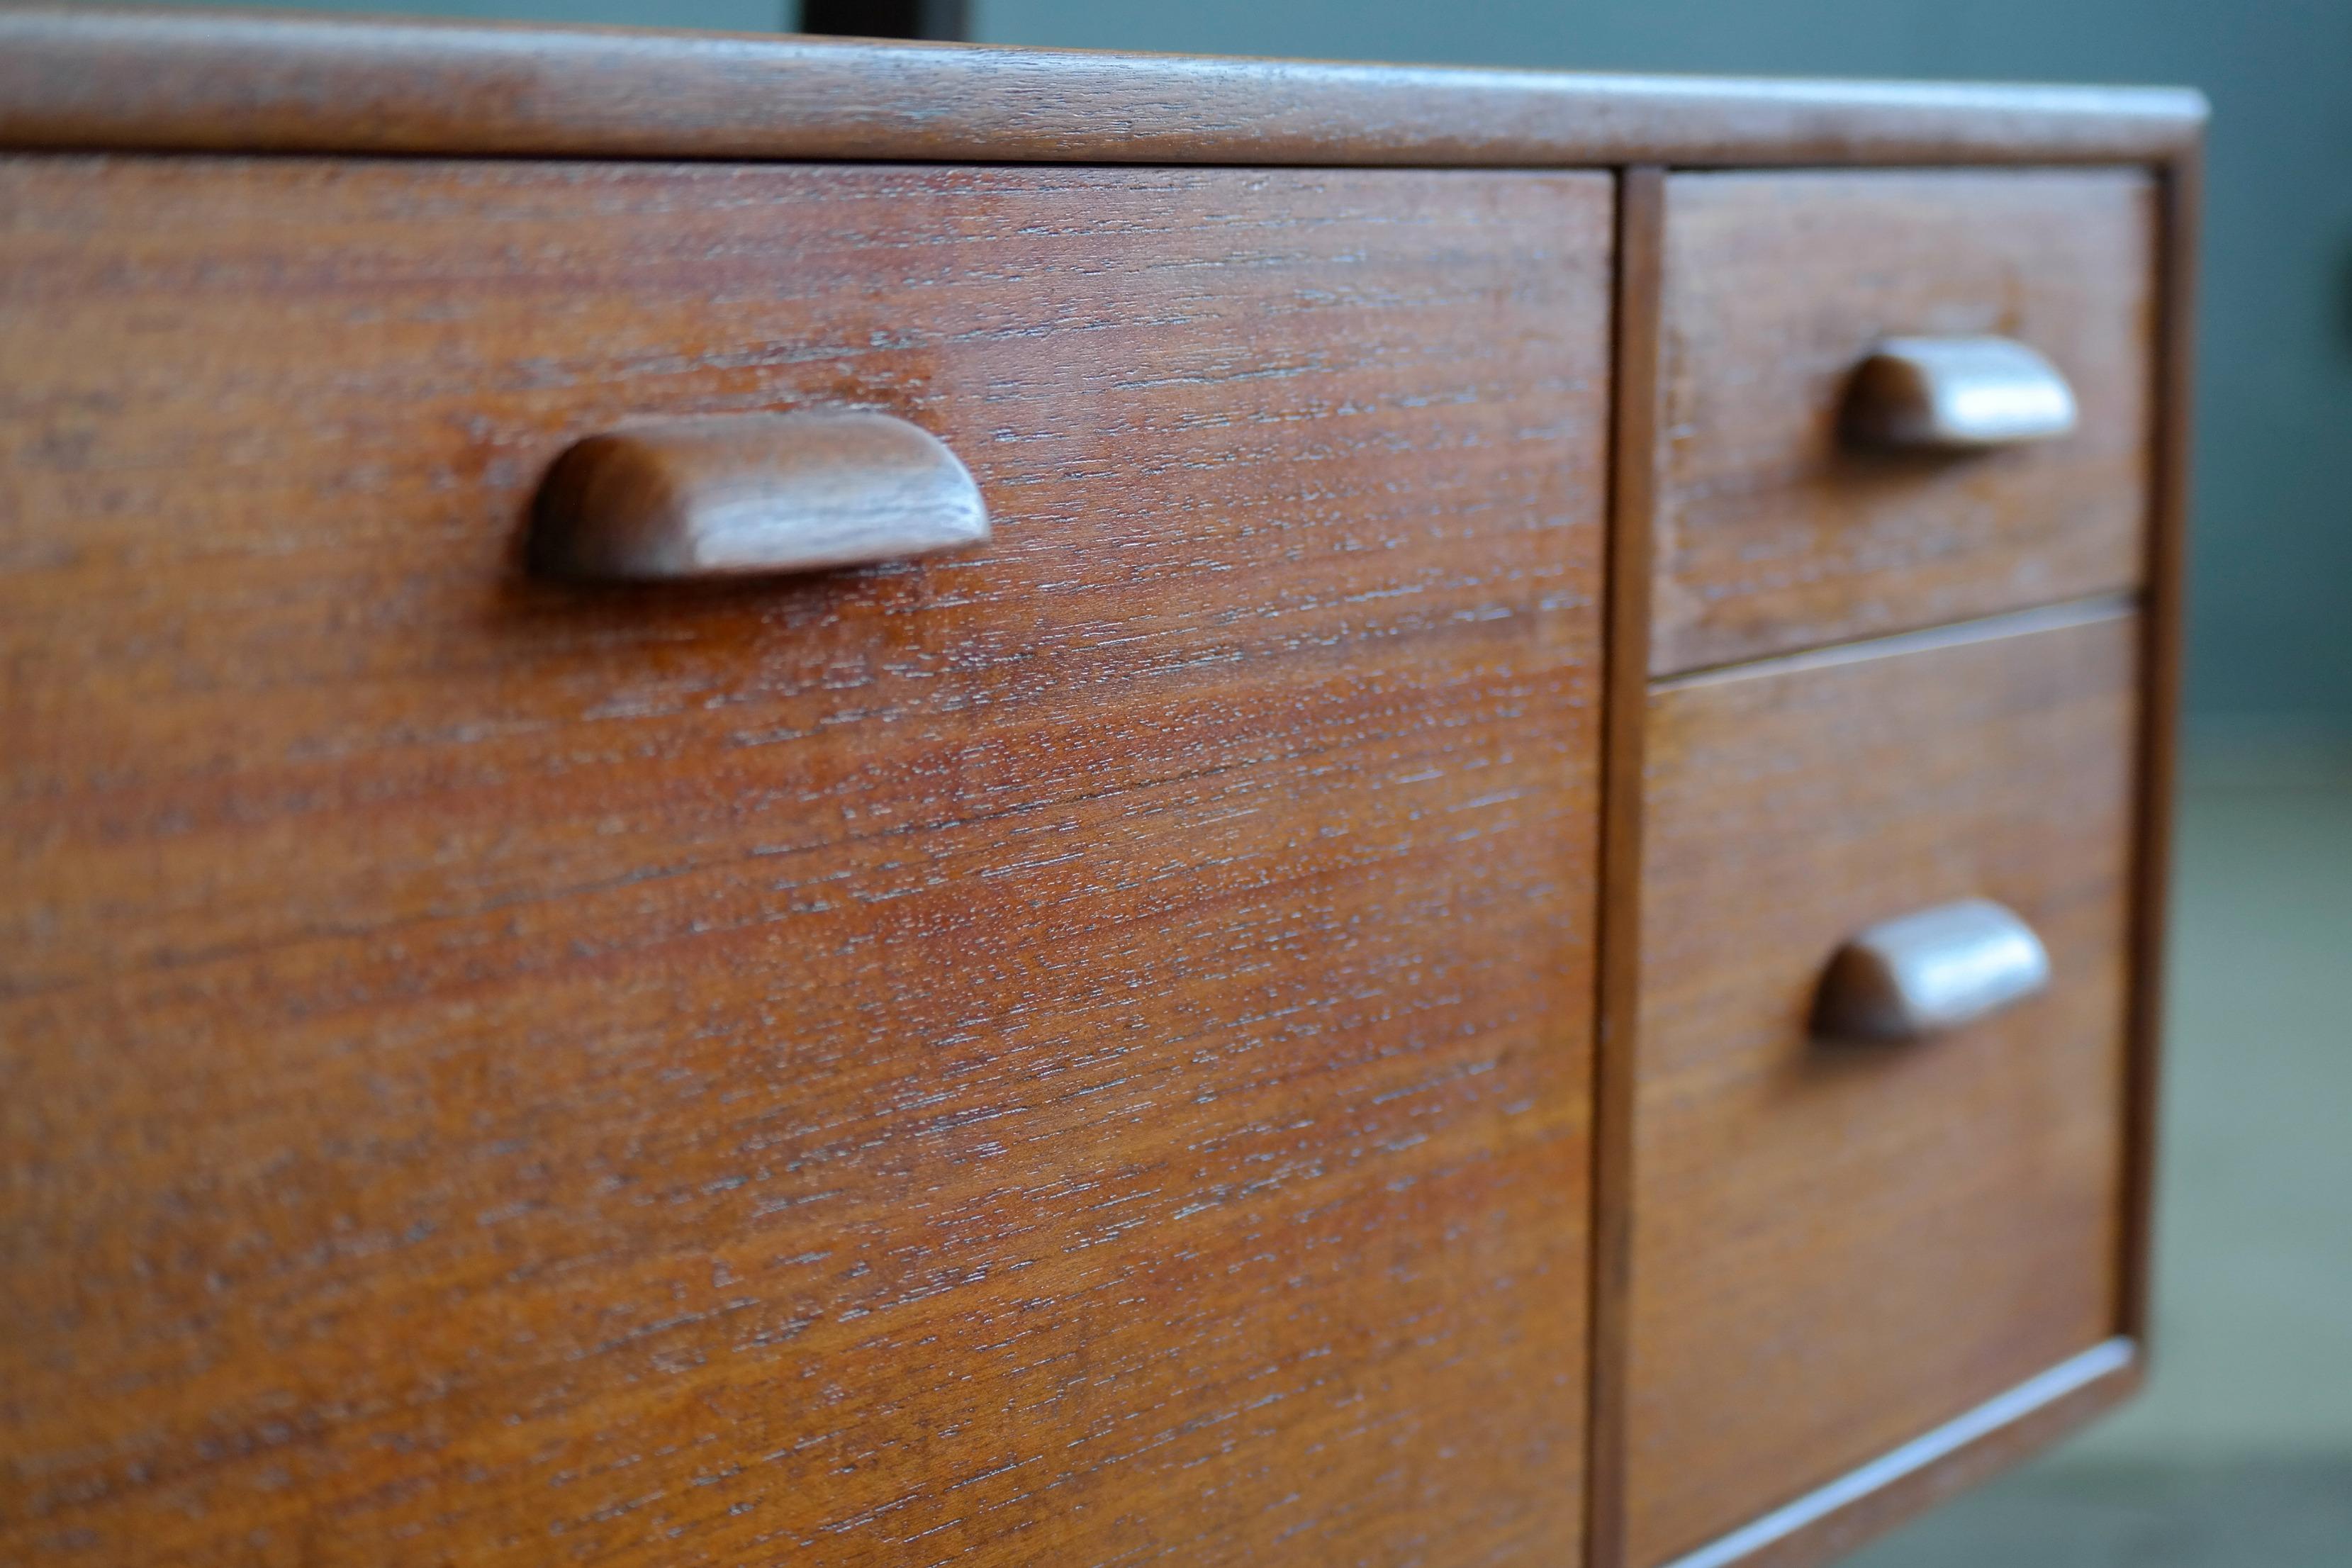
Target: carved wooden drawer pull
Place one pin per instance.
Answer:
(1955, 395)
(1921, 974)
(744, 495)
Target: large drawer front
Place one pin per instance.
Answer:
(1838, 1245)
(1070, 1052)
(1778, 527)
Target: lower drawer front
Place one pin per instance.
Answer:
(1838, 1246)
(1073, 1052)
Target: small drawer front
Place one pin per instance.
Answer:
(1840, 1243)
(1071, 1048)
(1786, 519)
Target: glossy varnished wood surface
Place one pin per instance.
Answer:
(77, 76)
(1772, 532)
(1835, 1250)
(1075, 1053)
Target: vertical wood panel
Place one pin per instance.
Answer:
(2160, 738)
(1641, 200)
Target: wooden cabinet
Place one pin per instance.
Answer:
(1264, 1013)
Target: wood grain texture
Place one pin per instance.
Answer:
(87, 77)
(1836, 1249)
(1075, 1054)
(1774, 534)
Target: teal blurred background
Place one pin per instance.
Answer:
(2239, 1456)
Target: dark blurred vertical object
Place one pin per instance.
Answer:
(2344, 298)
(949, 19)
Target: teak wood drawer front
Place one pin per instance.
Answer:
(1838, 1246)
(1775, 531)
(1069, 1052)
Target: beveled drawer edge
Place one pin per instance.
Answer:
(1958, 633)
(1836, 1518)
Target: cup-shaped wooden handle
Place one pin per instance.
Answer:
(1922, 974)
(750, 494)
(1955, 395)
